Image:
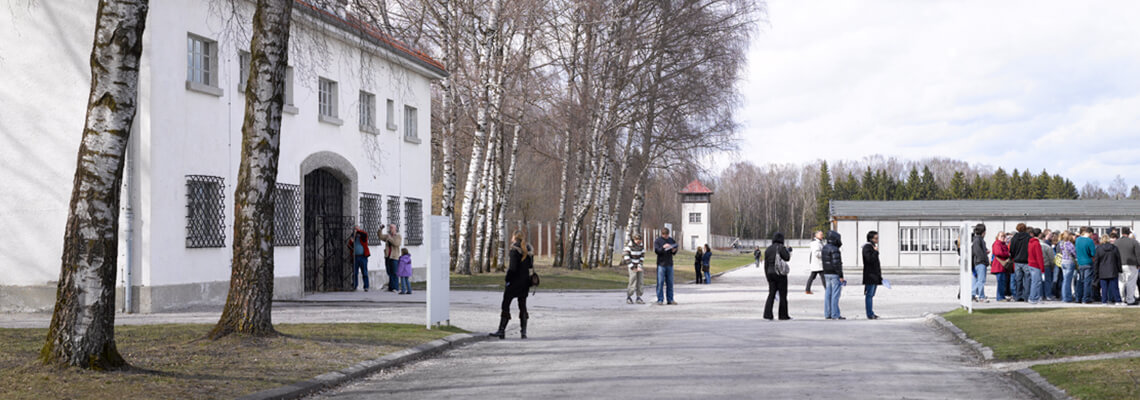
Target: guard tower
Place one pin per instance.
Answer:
(696, 204)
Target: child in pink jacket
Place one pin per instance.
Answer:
(405, 271)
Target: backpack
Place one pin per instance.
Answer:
(781, 267)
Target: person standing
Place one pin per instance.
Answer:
(757, 254)
(359, 246)
(872, 272)
(1108, 268)
(833, 274)
(980, 254)
(404, 271)
(813, 261)
(1129, 257)
(1000, 267)
(392, 241)
(699, 260)
(518, 284)
(706, 264)
(1068, 265)
(1049, 274)
(1085, 250)
(1019, 251)
(665, 247)
(777, 282)
(634, 255)
(1032, 279)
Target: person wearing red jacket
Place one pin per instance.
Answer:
(358, 245)
(1036, 268)
(1001, 267)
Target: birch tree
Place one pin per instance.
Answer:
(248, 308)
(82, 330)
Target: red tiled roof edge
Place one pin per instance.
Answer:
(695, 187)
(373, 32)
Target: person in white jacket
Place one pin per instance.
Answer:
(814, 261)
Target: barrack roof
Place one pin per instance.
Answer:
(977, 209)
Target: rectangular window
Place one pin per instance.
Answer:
(367, 111)
(394, 210)
(287, 215)
(205, 211)
(694, 218)
(327, 97)
(413, 212)
(243, 70)
(289, 86)
(410, 123)
(201, 60)
(924, 240)
(370, 216)
(391, 117)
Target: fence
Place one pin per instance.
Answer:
(541, 237)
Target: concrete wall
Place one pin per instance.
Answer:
(700, 230)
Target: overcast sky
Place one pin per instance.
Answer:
(1016, 84)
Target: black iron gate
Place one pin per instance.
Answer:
(328, 261)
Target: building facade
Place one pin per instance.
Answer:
(354, 150)
(922, 236)
(696, 221)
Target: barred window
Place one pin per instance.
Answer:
(370, 216)
(205, 211)
(414, 233)
(287, 215)
(394, 211)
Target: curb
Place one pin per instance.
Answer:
(1027, 377)
(986, 353)
(332, 379)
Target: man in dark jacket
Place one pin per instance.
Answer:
(872, 273)
(1130, 257)
(1108, 268)
(980, 259)
(777, 283)
(833, 275)
(1019, 252)
(756, 254)
(665, 247)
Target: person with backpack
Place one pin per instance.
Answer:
(872, 272)
(518, 284)
(776, 259)
(832, 261)
(699, 260)
(634, 257)
(706, 264)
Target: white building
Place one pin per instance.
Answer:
(920, 236)
(355, 148)
(696, 202)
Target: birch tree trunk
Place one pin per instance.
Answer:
(249, 304)
(560, 225)
(508, 187)
(82, 330)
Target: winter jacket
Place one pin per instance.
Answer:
(1018, 248)
(699, 259)
(1048, 255)
(707, 259)
(664, 257)
(1001, 252)
(1129, 250)
(830, 256)
(776, 249)
(1086, 250)
(633, 255)
(980, 254)
(405, 268)
(363, 236)
(872, 271)
(1035, 258)
(394, 241)
(814, 262)
(1068, 252)
(1108, 265)
(518, 272)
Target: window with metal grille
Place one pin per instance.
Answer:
(287, 215)
(370, 216)
(394, 211)
(327, 97)
(201, 60)
(205, 211)
(413, 212)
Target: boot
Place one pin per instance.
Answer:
(522, 323)
(502, 332)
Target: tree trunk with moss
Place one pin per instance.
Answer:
(248, 308)
(82, 330)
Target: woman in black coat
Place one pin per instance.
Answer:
(872, 272)
(518, 283)
(697, 265)
(1108, 268)
(777, 284)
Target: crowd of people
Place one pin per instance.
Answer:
(826, 261)
(1034, 265)
(397, 260)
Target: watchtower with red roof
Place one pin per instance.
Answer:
(696, 204)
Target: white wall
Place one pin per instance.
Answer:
(700, 230)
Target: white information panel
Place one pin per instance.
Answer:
(439, 273)
(965, 270)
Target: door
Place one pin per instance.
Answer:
(328, 261)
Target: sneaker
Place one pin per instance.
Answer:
(660, 303)
(672, 303)
(628, 300)
(640, 301)
(841, 318)
(873, 317)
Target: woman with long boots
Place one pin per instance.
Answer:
(518, 283)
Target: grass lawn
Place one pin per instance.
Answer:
(1088, 380)
(1028, 334)
(171, 361)
(600, 278)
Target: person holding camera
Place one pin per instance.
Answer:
(393, 242)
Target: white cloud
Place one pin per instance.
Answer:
(1017, 84)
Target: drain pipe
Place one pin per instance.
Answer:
(129, 183)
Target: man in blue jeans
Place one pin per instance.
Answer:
(359, 246)
(1086, 250)
(392, 241)
(832, 262)
(665, 247)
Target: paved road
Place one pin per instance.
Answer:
(713, 345)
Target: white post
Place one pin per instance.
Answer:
(539, 249)
(965, 274)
